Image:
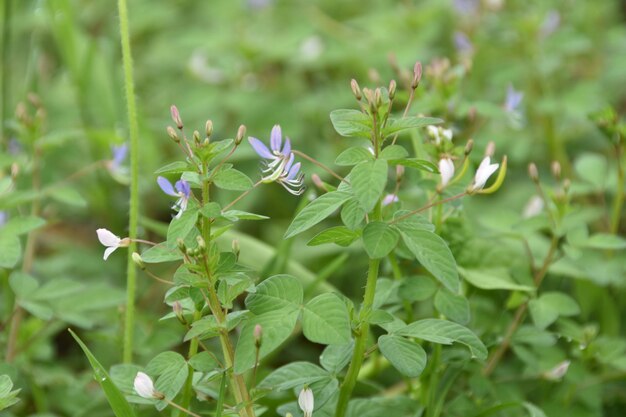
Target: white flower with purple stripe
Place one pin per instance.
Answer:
(181, 190)
(279, 165)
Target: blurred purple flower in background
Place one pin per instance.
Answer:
(181, 190)
(466, 7)
(3, 218)
(462, 43)
(119, 155)
(390, 199)
(550, 24)
(513, 99)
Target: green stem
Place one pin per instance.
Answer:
(619, 193)
(397, 275)
(131, 107)
(361, 338)
(6, 74)
(188, 389)
(434, 381)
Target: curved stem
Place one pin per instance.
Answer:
(406, 111)
(131, 108)
(427, 206)
(319, 164)
(242, 195)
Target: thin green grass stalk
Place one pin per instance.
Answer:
(131, 107)
(6, 74)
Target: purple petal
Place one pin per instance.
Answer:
(182, 186)
(289, 163)
(3, 218)
(513, 98)
(166, 186)
(462, 43)
(119, 154)
(293, 172)
(287, 147)
(276, 138)
(260, 148)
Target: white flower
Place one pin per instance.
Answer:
(306, 402)
(144, 387)
(446, 168)
(446, 133)
(484, 171)
(111, 241)
(437, 133)
(557, 372)
(390, 199)
(533, 207)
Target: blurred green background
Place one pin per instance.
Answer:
(259, 63)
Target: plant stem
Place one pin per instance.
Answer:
(6, 74)
(361, 338)
(427, 206)
(187, 390)
(242, 195)
(619, 193)
(521, 311)
(131, 108)
(182, 409)
(319, 164)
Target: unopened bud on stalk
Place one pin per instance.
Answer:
(417, 75)
(21, 113)
(491, 148)
(241, 132)
(236, 248)
(196, 137)
(317, 181)
(15, 170)
(34, 99)
(468, 147)
(392, 89)
(399, 173)
(138, 261)
(191, 252)
(556, 169)
(172, 134)
(258, 335)
(208, 128)
(356, 90)
(378, 97)
(533, 173)
(177, 308)
(176, 117)
(201, 243)
(181, 245)
(566, 184)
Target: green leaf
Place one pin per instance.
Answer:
(351, 123)
(434, 255)
(352, 214)
(453, 306)
(549, 306)
(10, 250)
(235, 215)
(277, 327)
(604, 241)
(421, 164)
(21, 225)
(368, 180)
(177, 167)
(316, 211)
(492, 279)
(379, 239)
(7, 397)
(417, 288)
(117, 401)
(279, 292)
(180, 227)
(336, 357)
(398, 125)
(203, 362)
(231, 179)
(325, 320)
(211, 210)
(353, 156)
(339, 235)
(407, 357)
(445, 332)
(412, 222)
(161, 253)
(230, 288)
(294, 375)
(69, 196)
(393, 152)
(172, 370)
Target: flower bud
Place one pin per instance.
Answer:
(196, 137)
(317, 181)
(557, 372)
(236, 248)
(241, 132)
(417, 75)
(181, 245)
(306, 401)
(201, 243)
(176, 117)
(392, 89)
(144, 387)
(399, 173)
(258, 335)
(172, 134)
(491, 148)
(468, 147)
(533, 173)
(356, 90)
(138, 261)
(177, 308)
(15, 170)
(21, 113)
(378, 98)
(555, 167)
(208, 128)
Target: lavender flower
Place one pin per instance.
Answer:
(390, 199)
(513, 99)
(3, 218)
(550, 24)
(279, 166)
(466, 7)
(181, 190)
(119, 155)
(463, 44)
(111, 242)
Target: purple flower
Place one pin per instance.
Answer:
(466, 6)
(279, 166)
(462, 43)
(181, 190)
(513, 99)
(3, 218)
(550, 24)
(119, 155)
(390, 199)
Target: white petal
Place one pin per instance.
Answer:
(447, 133)
(446, 168)
(107, 238)
(109, 251)
(143, 385)
(484, 171)
(306, 401)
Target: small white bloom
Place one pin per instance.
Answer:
(446, 133)
(438, 134)
(144, 387)
(390, 199)
(432, 131)
(446, 168)
(306, 402)
(533, 207)
(484, 171)
(111, 241)
(557, 372)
